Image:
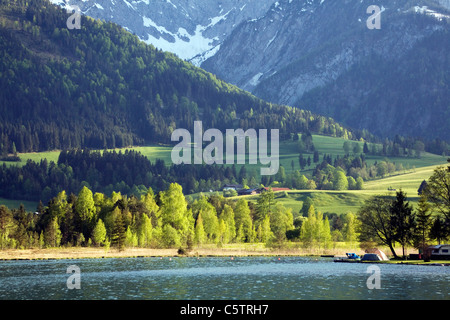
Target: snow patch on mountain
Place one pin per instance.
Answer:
(187, 45)
(193, 30)
(183, 43)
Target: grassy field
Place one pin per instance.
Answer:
(208, 250)
(30, 206)
(34, 156)
(288, 153)
(340, 202)
(231, 250)
(409, 181)
(416, 170)
(325, 201)
(151, 152)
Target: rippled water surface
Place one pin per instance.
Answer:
(220, 278)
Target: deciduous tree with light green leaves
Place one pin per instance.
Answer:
(308, 230)
(174, 213)
(145, 231)
(340, 181)
(227, 216)
(281, 220)
(209, 218)
(85, 209)
(170, 237)
(438, 191)
(99, 233)
(243, 221)
(57, 207)
(349, 229)
(315, 230)
(131, 239)
(149, 202)
(375, 222)
(200, 235)
(6, 227)
(326, 233)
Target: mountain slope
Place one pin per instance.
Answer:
(299, 46)
(193, 30)
(101, 87)
(282, 50)
(409, 95)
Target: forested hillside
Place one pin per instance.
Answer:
(101, 87)
(321, 56)
(419, 102)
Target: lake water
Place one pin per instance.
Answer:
(220, 278)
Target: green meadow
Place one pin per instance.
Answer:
(289, 155)
(340, 202)
(151, 152)
(415, 171)
(30, 206)
(34, 156)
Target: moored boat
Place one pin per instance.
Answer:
(350, 257)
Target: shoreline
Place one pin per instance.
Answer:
(80, 253)
(100, 253)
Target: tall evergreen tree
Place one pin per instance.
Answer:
(402, 220)
(366, 148)
(243, 221)
(118, 235)
(438, 230)
(52, 234)
(316, 156)
(264, 205)
(307, 203)
(423, 219)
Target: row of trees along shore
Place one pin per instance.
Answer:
(168, 220)
(165, 220)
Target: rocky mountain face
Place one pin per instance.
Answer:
(337, 58)
(192, 29)
(322, 56)
(324, 37)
